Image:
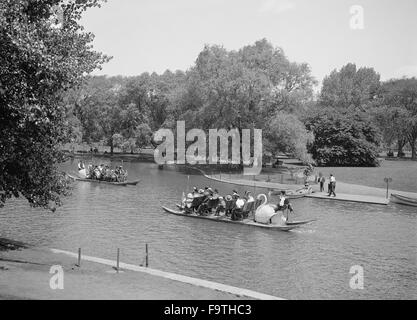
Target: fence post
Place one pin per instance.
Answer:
(147, 256)
(387, 181)
(79, 257)
(118, 258)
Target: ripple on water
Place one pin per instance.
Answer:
(310, 262)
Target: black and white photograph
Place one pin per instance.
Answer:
(205, 150)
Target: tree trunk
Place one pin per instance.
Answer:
(400, 144)
(111, 146)
(413, 150)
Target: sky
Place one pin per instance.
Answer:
(156, 35)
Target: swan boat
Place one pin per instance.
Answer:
(84, 179)
(265, 217)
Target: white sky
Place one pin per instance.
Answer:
(155, 35)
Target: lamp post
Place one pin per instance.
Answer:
(387, 181)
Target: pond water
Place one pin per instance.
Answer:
(312, 262)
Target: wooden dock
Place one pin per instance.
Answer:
(350, 198)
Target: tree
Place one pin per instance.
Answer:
(139, 137)
(39, 60)
(286, 133)
(350, 88)
(397, 112)
(342, 139)
(391, 120)
(143, 135)
(110, 121)
(240, 89)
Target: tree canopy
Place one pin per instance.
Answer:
(342, 139)
(396, 112)
(350, 88)
(224, 89)
(40, 59)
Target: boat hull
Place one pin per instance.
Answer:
(127, 183)
(247, 222)
(293, 194)
(299, 223)
(397, 198)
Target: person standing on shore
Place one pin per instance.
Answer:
(332, 185)
(322, 181)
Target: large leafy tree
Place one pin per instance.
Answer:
(246, 87)
(42, 55)
(396, 113)
(350, 88)
(286, 133)
(241, 89)
(343, 139)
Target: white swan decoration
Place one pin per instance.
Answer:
(265, 213)
(82, 173)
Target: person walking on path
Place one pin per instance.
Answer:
(322, 181)
(332, 185)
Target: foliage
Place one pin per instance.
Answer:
(242, 89)
(350, 88)
(126, 106)
(38, 62)
(285, 133)
(396, 112)
(343, 139)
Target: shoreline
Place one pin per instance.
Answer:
(25, 274)
(345, 191)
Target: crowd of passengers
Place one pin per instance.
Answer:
(209, 201)
(104, 172)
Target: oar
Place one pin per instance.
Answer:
(288, 210)
(183, 193)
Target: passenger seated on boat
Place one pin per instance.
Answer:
(284, 203)
(195, 192)
(205, 206)
(121, 175)
(107, 174)
(196, 203)
(203, 195)
(208, 191)
(187, 203)
(237, 213)
(215, 194)
(248, 209)
(208, 205)
(230, 204)
(221, 208)
(89, 172)
(97, 173)
(248, 197)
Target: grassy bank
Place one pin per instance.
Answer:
(25, 274)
